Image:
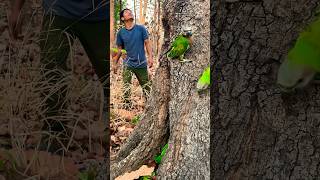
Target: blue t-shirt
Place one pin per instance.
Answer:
(89, 10)
(133, 42)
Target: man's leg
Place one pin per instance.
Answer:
(142, 76)
(127, 77)
(94, 37)
(55, 46)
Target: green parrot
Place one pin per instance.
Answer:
(204, 80)
(145, 178)
(179, 46)
(159, 157)
(303, 60)
(115, 50)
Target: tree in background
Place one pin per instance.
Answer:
(175, 113)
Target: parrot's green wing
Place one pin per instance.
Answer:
(179, 46)
(159, 157)
(115, 50)
(307, 48)
(145, 178)
(303, 60)
(123, 51)
(204, 80)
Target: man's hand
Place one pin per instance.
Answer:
(115, 59)
(115, 65)
(149, 51)
(150, 62)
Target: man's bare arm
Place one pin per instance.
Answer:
(147, 44)
(148, 47)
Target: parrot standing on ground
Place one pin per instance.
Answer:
(179, 46)
(303, 60)
(204, 80)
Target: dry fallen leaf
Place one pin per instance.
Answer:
(43, 163)
(143, 171)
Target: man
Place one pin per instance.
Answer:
(65, 20)
(134, 39)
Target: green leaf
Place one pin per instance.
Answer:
(2, 165)
(135, 119)
(90, 174)
(83, 176)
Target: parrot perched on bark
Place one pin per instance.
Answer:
(159, 157)
(179, 46)
(204, 80)
(157, 160)
(303, 60)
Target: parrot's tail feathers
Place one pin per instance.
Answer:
(165, 53)
(186, 60)
(202, 86)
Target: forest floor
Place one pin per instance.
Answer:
(123, 121)
(21, 110)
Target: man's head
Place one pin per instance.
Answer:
(292, 75)
(187, 31)
(126, 15)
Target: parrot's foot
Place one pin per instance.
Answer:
(185, 60)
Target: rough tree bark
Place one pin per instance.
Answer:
(112, 23)
(258, 132)
(145, 9)
(140, 11)
(175, 112)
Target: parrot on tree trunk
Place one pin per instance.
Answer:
(159, 157)
(180, 46)
(157, 160)
(303, 60)
(204, 80)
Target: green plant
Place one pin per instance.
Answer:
(89, 174)
(2, 165)
(135, 119)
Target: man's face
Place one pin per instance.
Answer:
(127, 15)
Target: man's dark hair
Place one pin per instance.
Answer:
(122, 12)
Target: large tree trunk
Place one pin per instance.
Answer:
(145, 9)
(140, 11)
(257, 132)
(112, 23)
(134, 10)
(175, 112)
